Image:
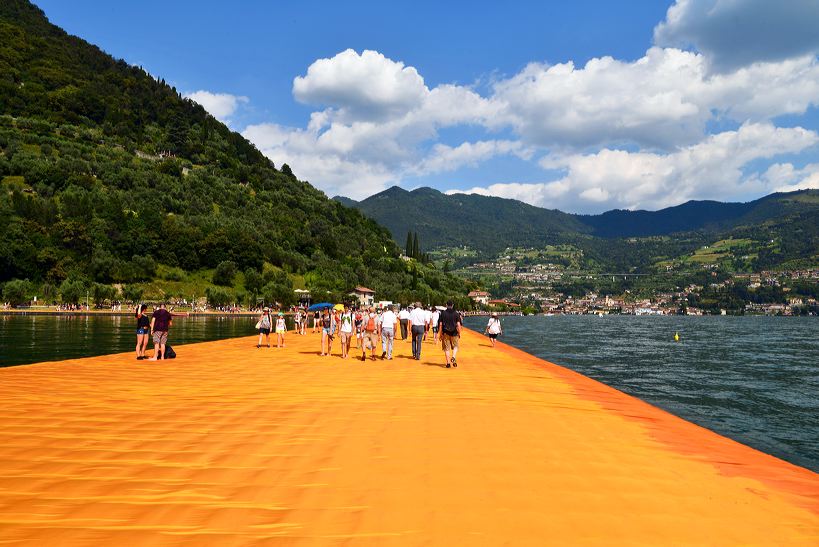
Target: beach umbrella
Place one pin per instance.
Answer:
(320, 306)
(440, 308)
(339, 307)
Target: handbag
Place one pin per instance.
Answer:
(258, 324)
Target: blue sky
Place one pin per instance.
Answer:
(582, 106)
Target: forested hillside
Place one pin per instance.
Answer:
(111, 177)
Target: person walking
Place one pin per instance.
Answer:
(493, 328)
(418, 325)
(369, 339)
(434, 324)
(378, 317)
(327, 329)
(403, 318)
(142, 331)
(281, 330)
(346, 331)
(359, 321)
(388, 321)
(297, 320)
(265, 325)
(161, 321)
(317, 316)
(449, 323)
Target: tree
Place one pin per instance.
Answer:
(72, 290)
(253, 281)
(218, 296)
(416, 248)
(16, 292)
(224, 274)
(100, 293)
(408, 247)
(132, 293)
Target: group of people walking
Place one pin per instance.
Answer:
(373, 329)
(268, 324)
(370, 328)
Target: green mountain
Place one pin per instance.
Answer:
(109, 176)
(617, 240)
(485, 223)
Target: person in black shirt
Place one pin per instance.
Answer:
(161, 321)
(143, 331)
(449, 325)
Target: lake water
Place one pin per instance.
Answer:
(754, 379)
(34, 338)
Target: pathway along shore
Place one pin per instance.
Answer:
(233, 445)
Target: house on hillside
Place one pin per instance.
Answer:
(365, 296)
(479, 297)
(503, 304)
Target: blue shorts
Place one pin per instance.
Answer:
(264, 330)
(142, 331)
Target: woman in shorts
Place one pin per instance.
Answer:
(281, 330)
(297, 320)
(346, 329)
(493, 328)
(265, 324)
(143, 331)
(327, 330)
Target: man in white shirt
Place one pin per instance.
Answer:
(418, 325)
(403, 318)
(388, 320)
(434, 322)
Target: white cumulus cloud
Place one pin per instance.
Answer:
(363, 86)
(712, 169)
(784, 177)
(625, 133)
(661, 100)
(219, 105)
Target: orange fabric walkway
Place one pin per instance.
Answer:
(233, 445)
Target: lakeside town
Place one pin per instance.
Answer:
(534, 292)
(531, 281)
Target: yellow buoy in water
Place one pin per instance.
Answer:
(676, 336)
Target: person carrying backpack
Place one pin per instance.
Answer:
(369, 339)
(449, 324)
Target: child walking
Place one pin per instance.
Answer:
(281, 329)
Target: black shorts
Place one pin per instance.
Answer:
(264, 331)
(492, 336)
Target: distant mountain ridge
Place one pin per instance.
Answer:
(433, 214)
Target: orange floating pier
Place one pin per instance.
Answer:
(233, 445)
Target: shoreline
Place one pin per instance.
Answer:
(118, 313)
